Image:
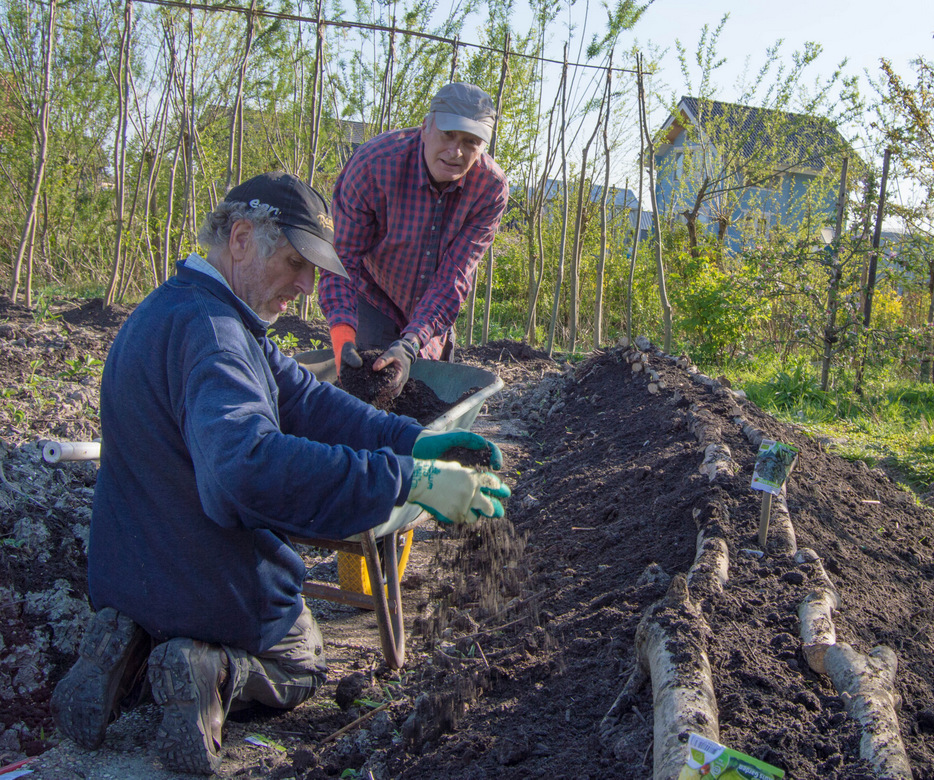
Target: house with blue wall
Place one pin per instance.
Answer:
(736, 174)
(621, 205)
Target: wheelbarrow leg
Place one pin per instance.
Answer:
(390, 623)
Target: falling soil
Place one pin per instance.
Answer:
(523, 634)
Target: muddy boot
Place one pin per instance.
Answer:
(186, 678)
(111, 667)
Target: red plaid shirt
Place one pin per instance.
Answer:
(410, 251)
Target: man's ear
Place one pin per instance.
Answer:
(241, 239)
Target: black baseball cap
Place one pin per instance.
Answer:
(300, 210)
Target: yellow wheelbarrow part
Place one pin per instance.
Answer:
(352, 573)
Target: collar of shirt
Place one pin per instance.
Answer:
(197, 263)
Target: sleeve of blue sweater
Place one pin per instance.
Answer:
(314, 461)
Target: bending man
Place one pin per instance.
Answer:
(414, 212)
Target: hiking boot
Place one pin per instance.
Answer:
(111, 668)
(186, 677)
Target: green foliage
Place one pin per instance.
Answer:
(794, 388)
(715, 310)
(890, 425)
(286, 342)
(81, 367)
(42, 311)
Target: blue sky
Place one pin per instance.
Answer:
(859, 30)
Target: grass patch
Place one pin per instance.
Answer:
(891, 424)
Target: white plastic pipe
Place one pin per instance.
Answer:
(55, 451)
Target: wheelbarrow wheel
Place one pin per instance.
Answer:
(352, 574)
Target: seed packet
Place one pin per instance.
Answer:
(709, 759)
(774, 462)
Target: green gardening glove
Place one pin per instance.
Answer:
(431, 445)
(454, 494)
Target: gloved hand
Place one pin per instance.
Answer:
(342, 335)
(350, 357)
(401, 355)
(454, 494)
(431, 445)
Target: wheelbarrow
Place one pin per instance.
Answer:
(450, 382)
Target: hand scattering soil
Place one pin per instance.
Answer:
(365, 383)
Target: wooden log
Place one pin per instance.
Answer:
(754, 435)
(782, 540)
(866, 685)
(718, 462)
(817, 630)
(671, 643)
(808, 556)
(704, 427)
(711, 568)
(636, 367)
(652, 387)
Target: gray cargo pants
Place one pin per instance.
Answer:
(283, 676)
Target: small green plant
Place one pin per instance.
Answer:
(81, 367)
(17, 415)
(42, 312)
(32, 380)
(285, 342)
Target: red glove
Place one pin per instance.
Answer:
(340, 335)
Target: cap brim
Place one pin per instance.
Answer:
(315, 250)
(450, 122)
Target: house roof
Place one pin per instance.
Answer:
(802, 141)
(618, 198)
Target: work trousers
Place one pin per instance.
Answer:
(283, 676)
(377, 331)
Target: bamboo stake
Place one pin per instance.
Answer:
(601, 266)
(660, 266)
(28, 231)
(638, 222)
(504, 70)
(564, 222)
(236, 119)
(123, 102)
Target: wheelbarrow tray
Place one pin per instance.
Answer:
(449, 381)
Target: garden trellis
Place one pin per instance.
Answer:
(190, 96)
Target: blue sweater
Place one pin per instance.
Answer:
(216, 448)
